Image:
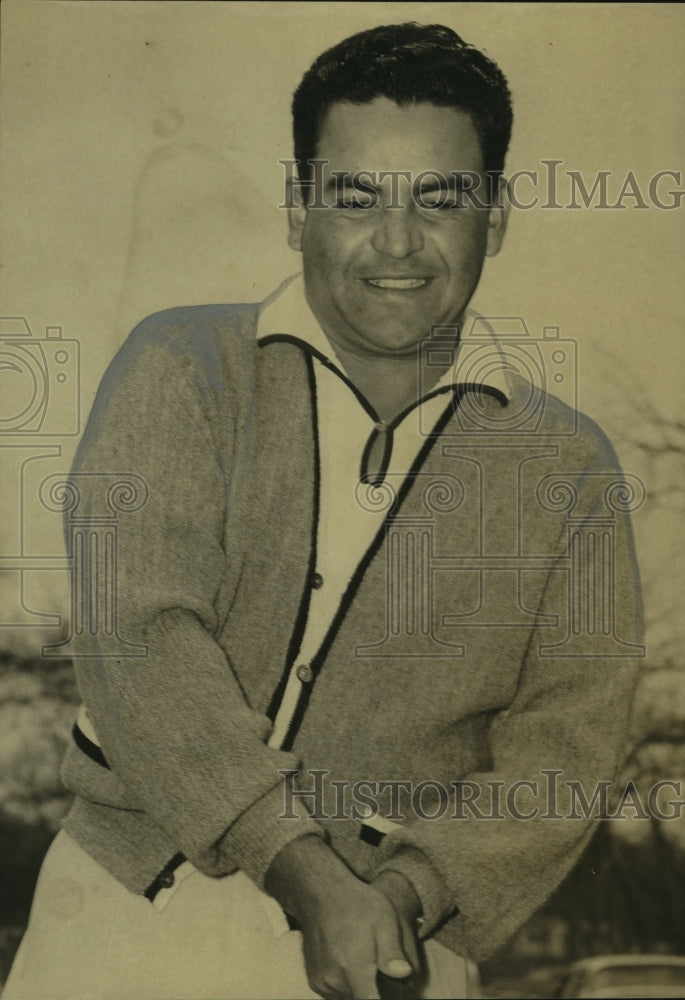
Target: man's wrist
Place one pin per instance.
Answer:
(298, 872)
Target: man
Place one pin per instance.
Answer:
(367, 577)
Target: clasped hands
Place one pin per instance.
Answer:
(351, 930)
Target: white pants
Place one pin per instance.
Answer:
(89, 938)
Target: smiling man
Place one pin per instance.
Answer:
(384, 265)
(388, 601)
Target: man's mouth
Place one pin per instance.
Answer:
(397, 284)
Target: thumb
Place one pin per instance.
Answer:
(390, 956)
(398, 968)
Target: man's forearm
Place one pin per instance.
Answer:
(300, 871)
(307, 864)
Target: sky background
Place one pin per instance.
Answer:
(139, 170)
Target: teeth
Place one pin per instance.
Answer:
(397, 282)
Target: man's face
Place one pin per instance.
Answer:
(377, 278)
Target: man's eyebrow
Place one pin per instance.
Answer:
(454, 181)
(357, 182)
(361, 181)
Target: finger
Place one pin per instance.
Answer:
(362, 982)
(331, 987)
(330, 983)
(390, 956)
(328, 993)
(410, 946)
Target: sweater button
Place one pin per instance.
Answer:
(317, 581)
(304, 673)
(167, 880)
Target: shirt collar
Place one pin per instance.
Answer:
(480, 359)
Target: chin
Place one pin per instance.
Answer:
(401, 344)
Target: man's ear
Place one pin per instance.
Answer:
(297, 213)
(498, 214)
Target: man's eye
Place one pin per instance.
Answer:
(442, 204)
(353, 203)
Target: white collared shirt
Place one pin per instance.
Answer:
(348, 516)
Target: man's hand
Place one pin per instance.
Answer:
(350, 930)
(401, 894)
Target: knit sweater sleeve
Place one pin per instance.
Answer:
(174, 724)
(512, 833)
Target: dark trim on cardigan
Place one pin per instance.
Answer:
(318, 661)
(87, 746)
(286, 338)
(303, 611)
(377, 477)
(370, 835)
(381, 426)
(166, 878)
(458, 390)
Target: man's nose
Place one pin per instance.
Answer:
(397, 232)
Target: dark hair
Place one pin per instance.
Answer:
(407, 63)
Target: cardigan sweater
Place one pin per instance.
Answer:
(496, 673)
(347, 429)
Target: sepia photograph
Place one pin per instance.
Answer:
(342, 465)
